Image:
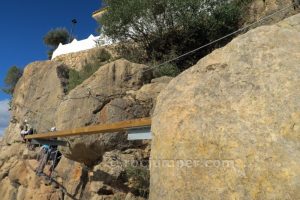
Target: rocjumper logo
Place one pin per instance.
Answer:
(192, 163)
(165, 163)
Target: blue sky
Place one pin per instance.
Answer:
(23, 25)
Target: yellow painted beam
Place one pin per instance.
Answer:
(102, 128)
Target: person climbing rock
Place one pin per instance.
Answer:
(44, 157)
(23, 133)
(53, 129)
(28, 130)
(55, 157)
(28, 127)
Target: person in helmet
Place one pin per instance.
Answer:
(23, 133)
(55, 155)
(44, 157)
(26, 129)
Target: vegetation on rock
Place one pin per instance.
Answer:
(54, 37)
(139, 177)
(77, 77)
(171, 26)
(166, 70)
(12, 77)
(226, 112)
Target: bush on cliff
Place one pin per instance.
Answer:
(12, 77)
(139, 178)
(54, 37)
(100, 57)
(161, 27)
(166, 70)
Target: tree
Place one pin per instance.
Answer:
(165, 26)
(12, 77)
(54, 37)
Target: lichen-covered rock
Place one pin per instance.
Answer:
(228, 128)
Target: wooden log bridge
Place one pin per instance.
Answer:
(102, 128)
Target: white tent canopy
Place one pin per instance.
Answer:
(81, 45)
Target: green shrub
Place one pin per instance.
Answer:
(54, 37)
(140, 177)
(132, 52)
(176, 25)
(12, 77)
(97, 60)
(102, 55)
(166, 70)
(118, 197)
(77, 77)
(74, 79)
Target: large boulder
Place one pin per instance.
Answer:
(36, 97)
(117, 91)
(17, 178)
(258, 9)
(228, 128)
(101, 99)
(111, 81)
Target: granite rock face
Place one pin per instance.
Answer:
(228, 128)
(36, 97)
(17, 178)
(101, 99)
(109, 95)
(111, 81)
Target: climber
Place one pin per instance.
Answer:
(55, 157)
(28, 130)
(44, 149)
(23, 133)
(28, 127)
(44, 157)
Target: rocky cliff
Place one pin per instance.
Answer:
(228, 127)
(257, 9)
(93, 167)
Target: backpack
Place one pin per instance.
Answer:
(30, 132)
